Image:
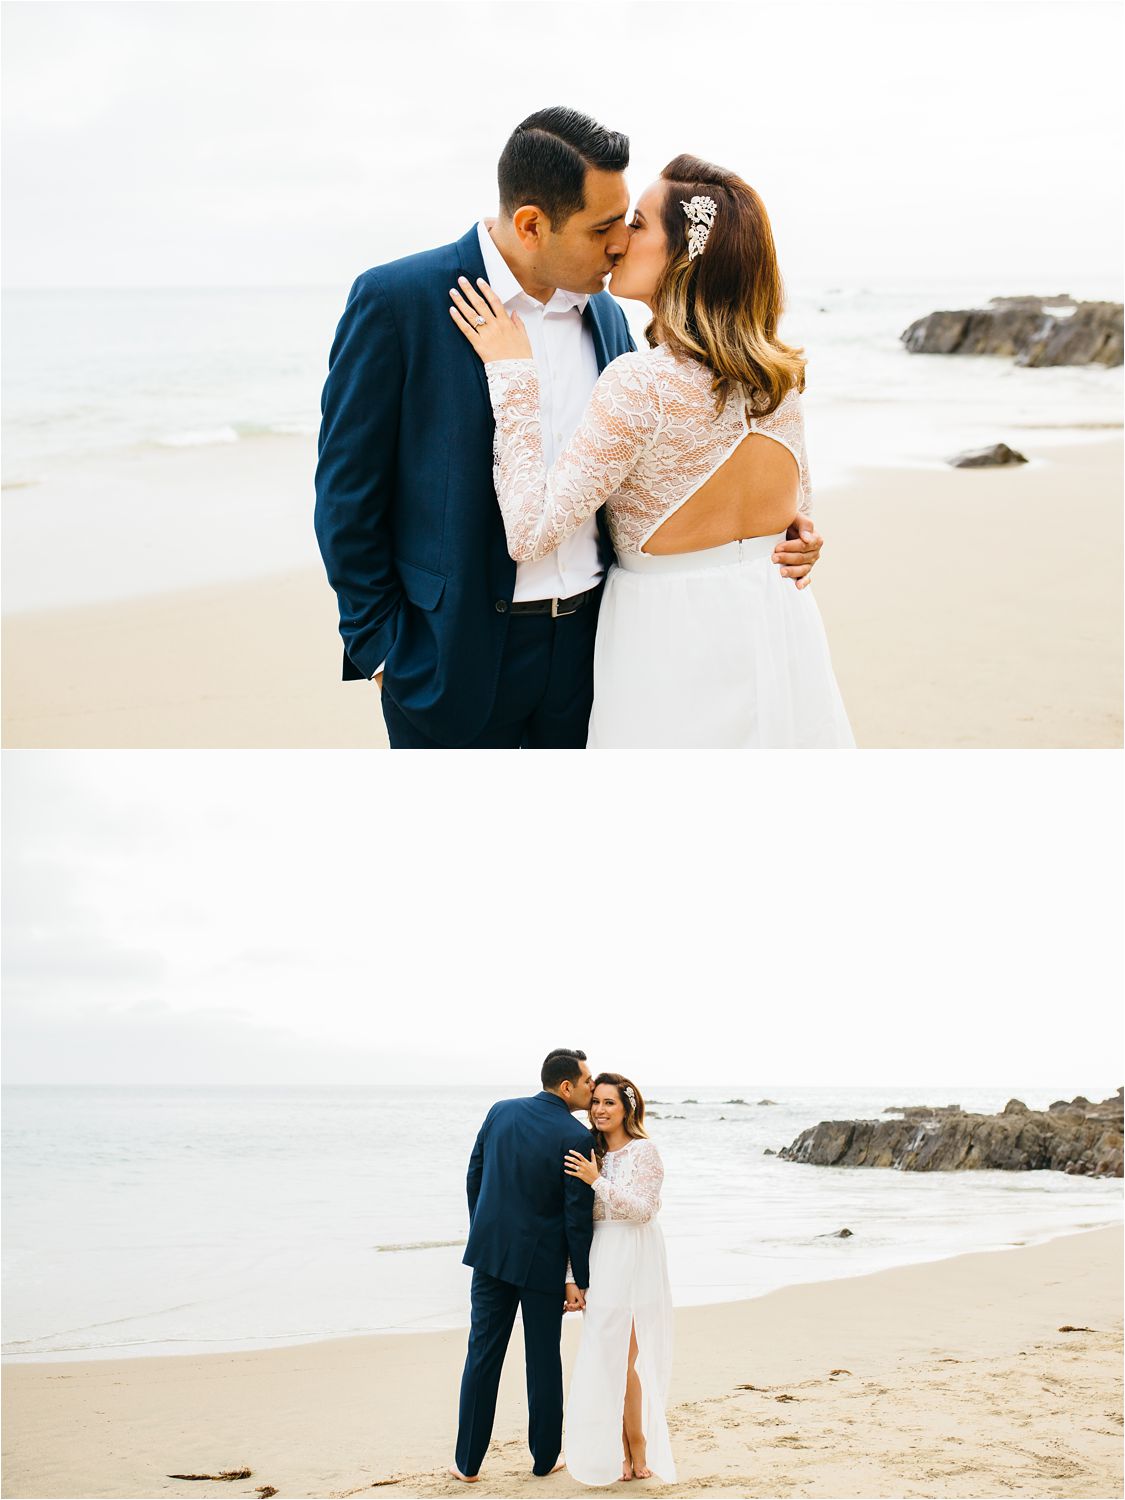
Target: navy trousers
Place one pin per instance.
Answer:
(494, 1313)
(544, 693)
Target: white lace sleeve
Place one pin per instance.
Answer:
(787, 425)
(804, 503)
(637, 1195)
(540, 508)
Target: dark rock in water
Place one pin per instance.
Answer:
(987, 458)
(689, 1101)
(1092, 335)
(734, 1101)
(843, 1234)
(1028, 329)
(767, 1101)
(769, 1151)
(976, 330)
(1083, 1140)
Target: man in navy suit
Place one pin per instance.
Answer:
(527, 1219)
(469, 650)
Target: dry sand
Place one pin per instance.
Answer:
(952, 1378)
(964, 608)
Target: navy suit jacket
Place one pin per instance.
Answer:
(406, 514)
(526, 1216)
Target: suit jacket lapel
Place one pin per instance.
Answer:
(470, 264)
(592, 318)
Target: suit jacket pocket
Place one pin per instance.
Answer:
(421, 586)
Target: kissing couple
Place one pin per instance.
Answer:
(540, 536)
(562, 1219)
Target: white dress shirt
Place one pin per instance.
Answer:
(563, 349)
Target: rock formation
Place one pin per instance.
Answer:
(1072, 1136)
(987, 458)
(1031, 330)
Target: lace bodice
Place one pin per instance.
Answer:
(630, 1182)
(649, 438)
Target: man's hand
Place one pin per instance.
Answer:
(798, 553)
(575, 1298)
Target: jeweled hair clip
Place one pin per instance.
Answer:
(701, 215)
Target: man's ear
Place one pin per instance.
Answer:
(530, 223)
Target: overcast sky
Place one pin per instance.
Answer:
(292, 917)
(286, 143)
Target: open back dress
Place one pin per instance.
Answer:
(712, 648)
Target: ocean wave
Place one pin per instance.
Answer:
(198, 438)
(232, 432)
(420, 1245)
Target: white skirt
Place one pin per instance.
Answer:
(628, 1288)
(712, 650)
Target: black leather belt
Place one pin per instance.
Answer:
(556, 608)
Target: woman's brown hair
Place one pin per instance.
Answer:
(630, 1096)
(723, 307)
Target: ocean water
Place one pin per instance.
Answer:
(149, 1220)
(110, 398)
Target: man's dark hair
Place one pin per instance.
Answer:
(561, 1065)
(546, 157)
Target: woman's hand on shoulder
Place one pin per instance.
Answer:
(485, 322)
(577, 1165)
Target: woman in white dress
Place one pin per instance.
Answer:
(696, 448)
(615, 1420)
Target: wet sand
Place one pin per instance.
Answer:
(948, 1379)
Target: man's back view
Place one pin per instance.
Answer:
(527, 1218)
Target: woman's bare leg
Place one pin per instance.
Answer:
(634, 1432)
(627, 1461)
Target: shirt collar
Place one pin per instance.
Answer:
(500, 277)
(554, 1099)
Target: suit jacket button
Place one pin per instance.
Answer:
(501, 606)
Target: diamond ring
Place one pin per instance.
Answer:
(479, 322)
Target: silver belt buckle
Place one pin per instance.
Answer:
(555, 609)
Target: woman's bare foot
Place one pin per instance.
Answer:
(626, 1470)
(464, 1478)
(641, 1469)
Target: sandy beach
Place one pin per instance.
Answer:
(954, 1378)
(965, 608)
